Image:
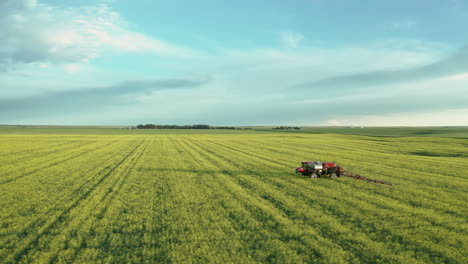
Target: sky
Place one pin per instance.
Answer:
(256, 62)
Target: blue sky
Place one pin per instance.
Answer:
(298, 62)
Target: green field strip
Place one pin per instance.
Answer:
(456, 183)
(338, 148)
(27, 228)
(384, 218)
(339, 142)
(172, 189)
(411, 162)
(379, 172)
(232, 198)
(196, 214)
(61, 216)
(294, 153)
(14, 161)
(51, 162)
(73, 177)
(15, 140)
(308, 236)
(214, 148)
(443, 207)
(276, 160)
(381, 132)
(402, 158)
(47, 146)
(261, 236)
(54, 202)
(43, 239)
(93, 205)
(199, 164)
(151, 189)
(162, 189)
(30, 156)
(255, 188)
(96, 206)
(242, 185)
(429, 145)
(291, 153)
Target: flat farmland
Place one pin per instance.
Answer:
(230, 198)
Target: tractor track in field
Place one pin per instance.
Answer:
(41, 148)
(111, 193)
(394, 199)
(396, 175)
(426, 219)
(59, 218)
(36, 222)
(332, 212)
(193, 159)
(50, 157)
(250, 153)
(53, 154)
(285, 164)
(159, 225)
(123, 178)
(244, 183)
(52, 164)
(287, 146)
(229, 198)
(150, 227)
(254, 211)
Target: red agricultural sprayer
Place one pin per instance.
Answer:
(315, 169)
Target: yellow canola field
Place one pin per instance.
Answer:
(231, 198)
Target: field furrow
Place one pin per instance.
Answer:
(428, 216)
(36, 220)
(62, 216)
(12, 175)
(392, 172)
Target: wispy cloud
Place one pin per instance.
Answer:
(448, 117)
(33, 32)
(454, 64)
(403, 25)
(88, 99)
(291, 39)
(462, 76)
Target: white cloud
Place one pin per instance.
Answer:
(463, 76)
(71, 68)
(291, 39)
(450, 117)
(267, 70)
(35, 32)
(404, 25)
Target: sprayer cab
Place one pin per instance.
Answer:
(315, 169)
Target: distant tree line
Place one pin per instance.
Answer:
(198, 126)
(286, 128)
